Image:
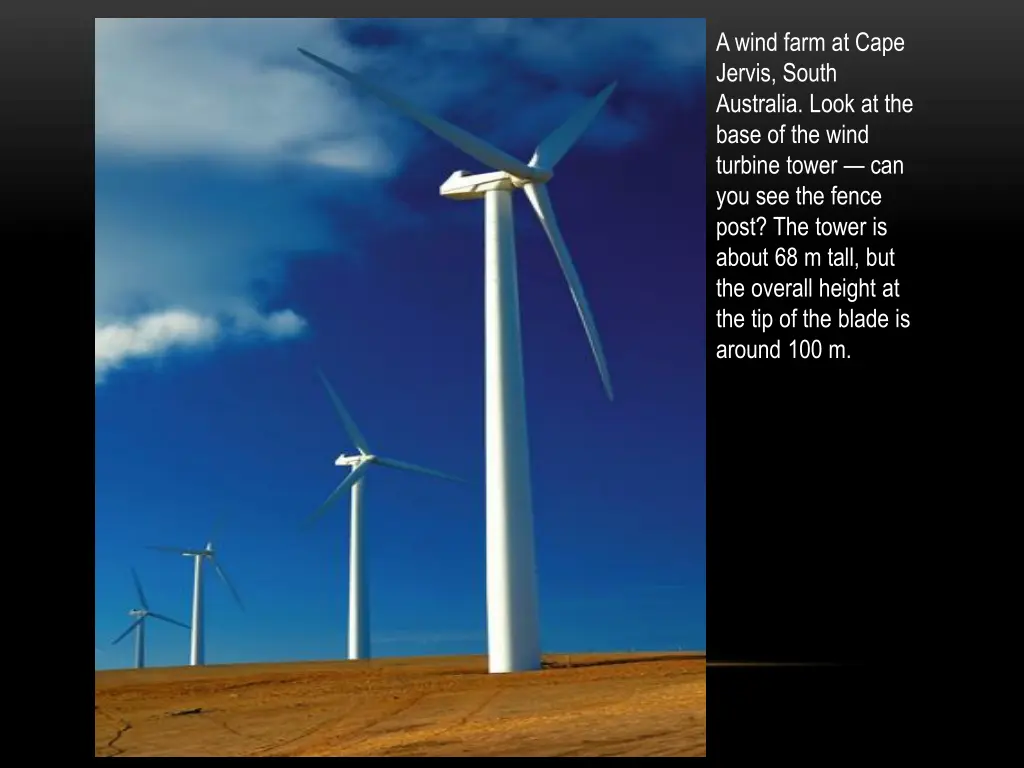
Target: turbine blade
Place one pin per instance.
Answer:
(228, 584)
(127, 632)
(559, 141)
(169, 619)
(138, 588)
(475, 147)
(395, 464)
(175, 550)
(541, 202)
(346, 418)
(352, 478)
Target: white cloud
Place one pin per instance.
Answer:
(237, 88)
(231, 88)
(277, 325)
(154, 335)
(150, 336)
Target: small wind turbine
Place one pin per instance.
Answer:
(513, 632)
(358, 597)
(197, 652)
(139, 625)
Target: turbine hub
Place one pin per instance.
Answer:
(544, 175)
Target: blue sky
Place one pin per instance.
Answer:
(257, 218)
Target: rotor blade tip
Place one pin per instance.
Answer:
(607, 384)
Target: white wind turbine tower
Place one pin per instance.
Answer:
(358, 593)
(197, 648)
(139, 625)
(513, 632)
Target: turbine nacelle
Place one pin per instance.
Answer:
(463, 185)
(352, 461)
(138, 613)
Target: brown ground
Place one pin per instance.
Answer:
(578, 706)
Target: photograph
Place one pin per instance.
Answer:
(400, 342)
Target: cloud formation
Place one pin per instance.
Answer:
(226, 88)
(236, 89)
(154, 335)
(214, 137)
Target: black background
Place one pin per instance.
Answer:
(820, 475)
(824, 492)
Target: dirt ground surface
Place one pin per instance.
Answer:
(587, 705)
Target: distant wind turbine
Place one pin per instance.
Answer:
(197, 651)
(513, 632)
(140, 615)
(358, 593)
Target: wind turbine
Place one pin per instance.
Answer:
(197, 651)
(358, 593)
(513, 633)
(139, 625)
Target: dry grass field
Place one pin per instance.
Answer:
(585, 705)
